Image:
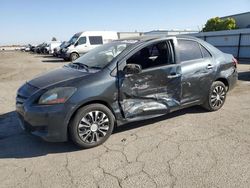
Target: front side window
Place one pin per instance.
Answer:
(153, 55)
(81, 41)
(95, 40)
(189, 50)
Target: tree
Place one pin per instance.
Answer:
(217, 24)
(54, 39)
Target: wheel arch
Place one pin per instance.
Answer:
(74, 52)
(103, 102)
(224, 81)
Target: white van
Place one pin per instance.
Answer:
(53, 45)
(82, 42)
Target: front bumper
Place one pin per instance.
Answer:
(48, 122)
(65, 55)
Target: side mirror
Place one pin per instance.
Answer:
(132, 69)
(76, 43)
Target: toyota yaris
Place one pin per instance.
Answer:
(121, 82)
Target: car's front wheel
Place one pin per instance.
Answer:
(74, 56)
(92, 125)
(216, 97)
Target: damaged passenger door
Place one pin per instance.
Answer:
(150, 84)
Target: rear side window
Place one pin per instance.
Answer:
(205, 52)
(94, 40)
(189, 50)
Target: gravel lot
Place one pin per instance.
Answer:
(188, 148)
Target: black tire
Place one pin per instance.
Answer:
(74, 56)
(216, 97)
(86, 136)
(66, 59)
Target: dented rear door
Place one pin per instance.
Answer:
(152, 92)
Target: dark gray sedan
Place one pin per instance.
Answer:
(121, 82)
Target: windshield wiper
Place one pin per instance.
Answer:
(78, 65)
(95, 67)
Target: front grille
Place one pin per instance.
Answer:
(24, 92)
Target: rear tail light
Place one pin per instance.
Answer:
(235, 62)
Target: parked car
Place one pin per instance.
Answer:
(124, 81)
(83, 42)
(41, 48)
(37, 48)
(32, 48)
(45, 48)
(24, 48)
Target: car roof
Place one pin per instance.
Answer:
(154, 37)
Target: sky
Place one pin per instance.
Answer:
(31, 21)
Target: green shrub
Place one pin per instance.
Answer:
(217, 24)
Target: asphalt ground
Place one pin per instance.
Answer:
(187, 148)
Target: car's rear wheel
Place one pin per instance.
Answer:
(216, 97)
(92, 125)
(73, 56)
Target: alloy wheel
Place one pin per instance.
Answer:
(93, 126)
(74, 56)
(218, 96)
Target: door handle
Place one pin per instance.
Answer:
(173, 75)
(209, 66)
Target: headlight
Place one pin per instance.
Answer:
(57, 95)
(65, 49)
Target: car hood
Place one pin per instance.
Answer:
(67, 45)
(57, 76)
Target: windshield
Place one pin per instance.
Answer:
(102, 55)
(64, 44)
(74, 38)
